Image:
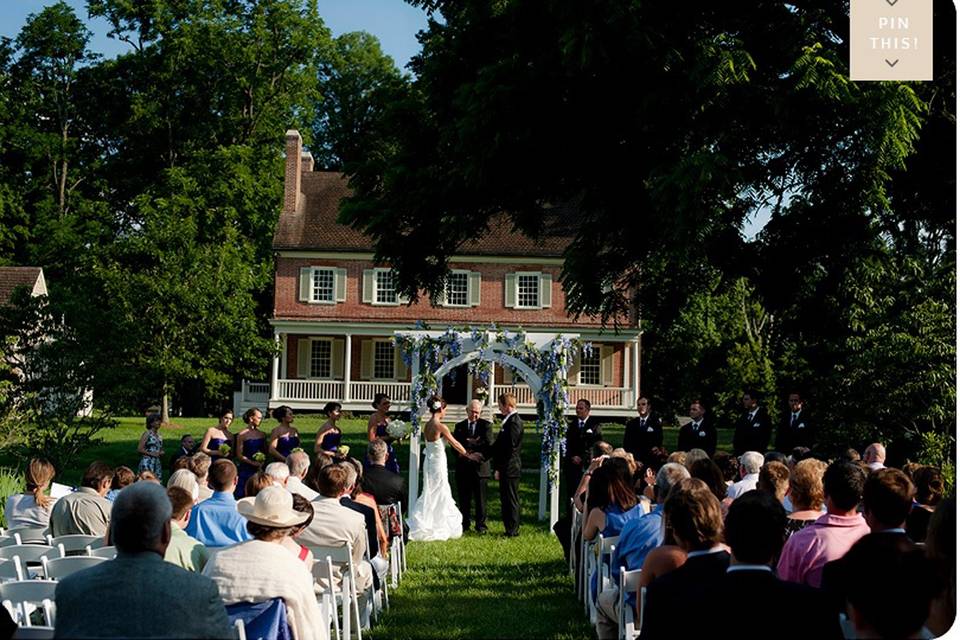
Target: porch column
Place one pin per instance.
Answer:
(274, 379)
(635, 369)
(413, 476)
(555, 487)
(347, 350)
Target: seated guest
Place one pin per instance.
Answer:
(377, 542)
(298, 463)
(832, 535)
(122, 477)
(774, 479)
(86, 510)
(708, 471)
(279, 473)
(659, 561)
(941, 548)
(599, 452)
(384, 485)
(334, 525)
(889, 586)
(257, 483)
(148, 476)
(143, 596)
(930, 489)
(637, 539)
(693, 456)
(875, 455)
(302, 505)
(185, 479)
(729, 465)
(805, 491)
(887, 498)
(32, 507)
(750, 463)
(775, 456)
(200, 465)
(185, 450)
(679, 457)
(262, 569)
(183, 551)
(754, 530)
(693, 513)
(215, 521)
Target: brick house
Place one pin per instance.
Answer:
(335, 311)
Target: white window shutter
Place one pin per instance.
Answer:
(306, 284)
(510, 291)
(473, 288)
(304, 352)
(606, 366)
(399, 367)
(573, 373)
(340, 285)
(368, 281)
(546, 290)
(336, 359)
(366, 360)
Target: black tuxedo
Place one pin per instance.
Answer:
(386, 486)
(505, 452)
(752, 434)
(689, 438)
(795, 433)
(472, 476)
(642, 434)
(579, 442)
(678, 598)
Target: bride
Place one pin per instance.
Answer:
(435, 515)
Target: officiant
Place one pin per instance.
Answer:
(472, 473)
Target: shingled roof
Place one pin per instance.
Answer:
(315, 228)
(13, 277)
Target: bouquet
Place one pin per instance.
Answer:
(297, 450)
(224, 449)
(398, 430)
(260, 457)
(481, 393)
(343, 450)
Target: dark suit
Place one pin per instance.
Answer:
(505, 452)
(676, 599)
(690, 438)
(148, 598)
(642, 434)
(795, 433)
(386, 486)
(752, 434)
(579, 441)
(472, 476)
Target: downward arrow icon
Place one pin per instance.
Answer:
(892, 64)
(892, 2)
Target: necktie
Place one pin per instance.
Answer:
(643, 422)
(793, 420)
(471, 426)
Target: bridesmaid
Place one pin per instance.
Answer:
(150, 447)
(329, 435)
(250, 442)
(377, 428)
(217, 436)
(284, 438)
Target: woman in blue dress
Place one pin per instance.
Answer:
(284, 438)
(377, 428)
(217, 436)
(151, 447)
(329, 435)
(250, 442)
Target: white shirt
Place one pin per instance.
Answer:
(749, 483)
(295, 485)
(874, 466)
(749, 567)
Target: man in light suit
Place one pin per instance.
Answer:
(505, 452)
(472, 472)
(144, 596)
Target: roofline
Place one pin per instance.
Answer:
(368, 257)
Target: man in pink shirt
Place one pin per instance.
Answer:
(832, 535)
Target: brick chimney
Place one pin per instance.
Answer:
(292, 172)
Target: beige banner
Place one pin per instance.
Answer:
(891, 39)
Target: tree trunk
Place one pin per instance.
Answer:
(165, 407)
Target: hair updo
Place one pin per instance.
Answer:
(436, 404)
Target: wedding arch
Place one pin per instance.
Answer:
(540, 359)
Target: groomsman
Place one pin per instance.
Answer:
(476, 436)
(505, 452)
(699, 433)
(643, 432)
(796, 429)
(583, 431)
(753, 429)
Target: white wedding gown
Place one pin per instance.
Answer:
(435, 515)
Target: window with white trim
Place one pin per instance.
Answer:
(385, 287)
(321, 359)
(528, 291)
(456, 293)
(590, 368)
(383, 352)
(323, 288)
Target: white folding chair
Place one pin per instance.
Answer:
(395, 562)
(642, 599)
(29, 554)
(240, 629)
(11, 570)
(381, 600)
(403, 545)
(16, 596)
(332, 599)
(607, 547)
(629, 582)
(76, 544)
(29, 535)
(588, 563)
(6, 541)
(59, 568)
(108, 553)
(576, 523)
(33, 633)
(343, 557)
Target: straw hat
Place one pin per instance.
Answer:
(272, 507)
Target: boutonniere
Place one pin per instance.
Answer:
(649, 429)
(756, 424)
(800, 426)
(589, 431)
(703, 434)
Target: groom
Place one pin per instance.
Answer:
(472, 472)
(506, 462)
